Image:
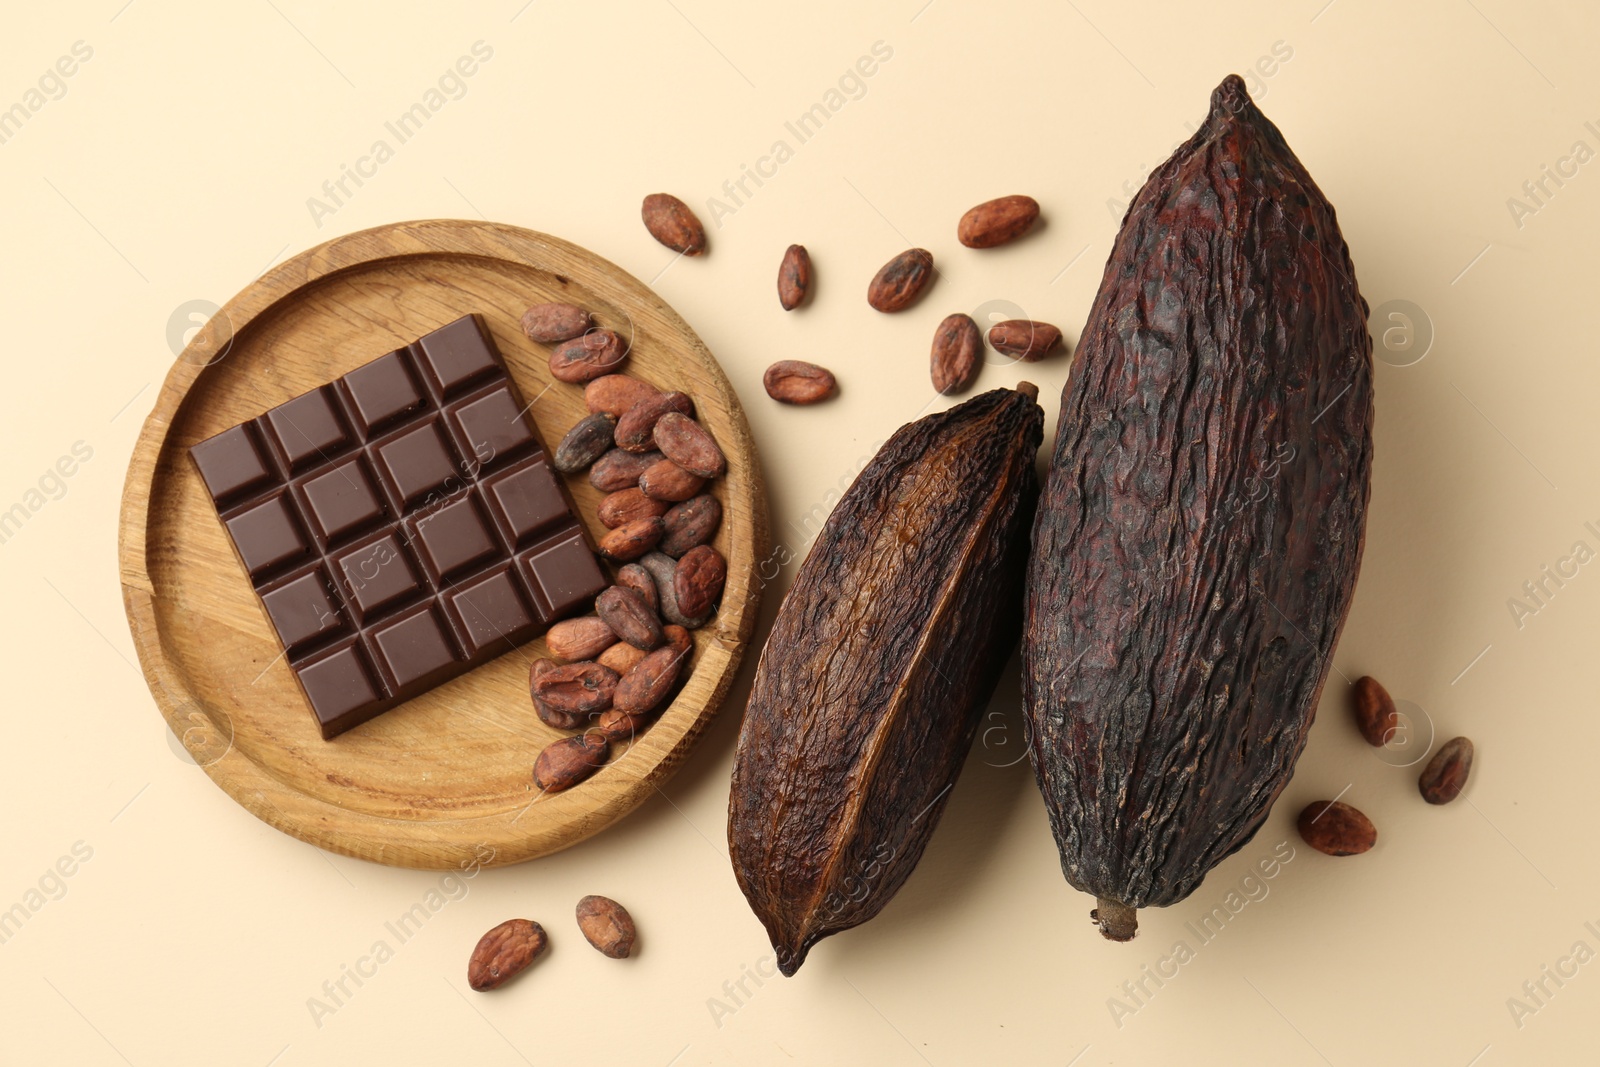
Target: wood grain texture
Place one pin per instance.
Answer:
(445, 777)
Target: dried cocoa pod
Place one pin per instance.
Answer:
(593, 355)
(687, 444)
(630, 617)
(1025, 339)
(631, 540)
(636, 428)
(552, 323)
(1180, 619)
(698, 580)
(573, 692)
(1336, 829)
(869, 688)
(689, 524)
(627, 505)
(579, 639)
(565, 763)
(794, 277)
(505, 952)
(900, 281)
(957, 354)
(588, 440)
(664, 569)
(614, 394)
(1445, 776)
(994, 222)
(1375, 712)
(643, 689)
(670, 221)
(794, 381)
(618, 469)
(665, 480)
(621, 657)
(607, 926)
(635, 577)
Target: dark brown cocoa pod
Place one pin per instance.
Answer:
(505, 952)
(1336, 829)
(636, 429)
(1375, 712)
(614, 394)
(565, 763)
(794, 277)
(630, 617)
(900, 281)
(618, 469)
(957, 354)
(698, 580)
(626, 505)
(553, 323)
(642, 689)
(631, 540)
(572, 692)
(1025, 339)
(588, 440)
(607, 926)
(869, 688)
(1182, 615)
(665, 480)
(1445, 776)
(794, 381)
(664, 569)
(583, 359)
(689, 524)
(994, 222)
(634, 576)
(670, 221)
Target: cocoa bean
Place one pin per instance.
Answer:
(579, 639)
(505, 952)
(1335, 828)
(664, 570)
(648, 684)
(793, 381)
(677, 637)
(1375, 713)
(631, 540)
(574, 691)
(565, 763)
(619, 726)
(900, 281)
(665, 480)
(635, 577)
(957, 354)
(636, 428)
(585, 358)
(626, 505)
(691, 523)
(1445, 776)
(614, 394)
(622, 657)
(629, 617)
(670, 221)
(548, 715)
(552, 323)
(618, 469)
(687, 444)
(607, 926)
(587, 441)
(794, 277)
(698, 580)
(1026, 340)
(994, 222)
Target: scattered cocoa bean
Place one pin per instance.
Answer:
(635, 430)
(588, 440)
(1445, 776)
(957, 354)
(607, 926)
(565, 763)
(622, 657)
(585, 358)
(574, 691)
(665, 480)
(794, 381)
(614, 394)
(1375, 713)
(693, 522)
(664, 569)
(631, 540)
(552, 323)
(579, 639)
(629, 617)
(698, 580)
(504, 952)
(1027, 340)
(687, 444)
(626, 505)
(648, 684)
(1329, 826)
(794, 277)
(635, 577)
(618, 469)
(900, 281)
(994, 222)
(670, 221)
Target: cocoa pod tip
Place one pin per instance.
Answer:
(1028, 389)
(1117, 921)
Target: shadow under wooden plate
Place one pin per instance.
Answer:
(446, 777)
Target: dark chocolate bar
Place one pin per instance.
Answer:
(401, 525)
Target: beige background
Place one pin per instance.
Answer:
(176, 165)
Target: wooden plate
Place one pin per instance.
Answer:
(445, 778)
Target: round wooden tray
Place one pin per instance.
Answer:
(445, 778)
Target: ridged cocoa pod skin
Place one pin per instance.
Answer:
(900, 281)
(994, 222)
(1445, 776)
(671, 222)
(883, 654)
(794, 277)
(1180, 621)
(957, 354)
